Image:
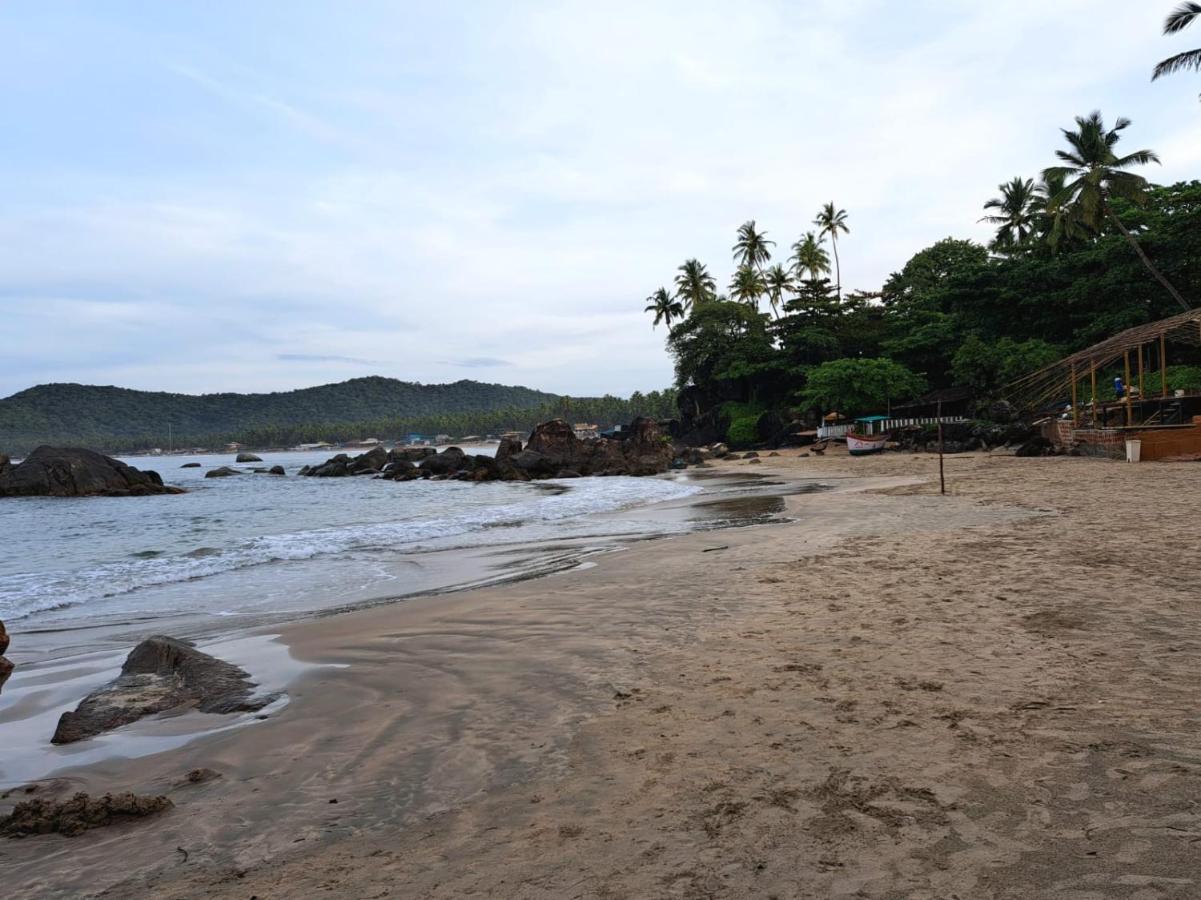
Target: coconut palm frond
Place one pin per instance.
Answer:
(1181, 17)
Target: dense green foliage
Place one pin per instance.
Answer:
(859, 384)
(116, 419)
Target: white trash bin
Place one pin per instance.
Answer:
(1134, 451)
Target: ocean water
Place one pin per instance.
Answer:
(256, 547)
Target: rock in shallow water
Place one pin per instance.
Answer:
(75, 472)
(77, 815)
(160, 673)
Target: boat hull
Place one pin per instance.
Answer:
(863, 445)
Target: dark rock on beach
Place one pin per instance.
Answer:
(6, 666)
(553, 451)
(79, 814)
(160, 673)
(75, 472)
(247, 457)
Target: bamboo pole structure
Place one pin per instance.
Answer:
(1126, 383)
(1093, 373)
(1075, 403)
(1163, 366)
(1142, 390)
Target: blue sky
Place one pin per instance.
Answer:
(267, 195)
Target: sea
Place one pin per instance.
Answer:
(255, 548)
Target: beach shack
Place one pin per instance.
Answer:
(1116, 398)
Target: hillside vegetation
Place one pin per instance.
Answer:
(119, 419)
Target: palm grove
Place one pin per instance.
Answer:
(1087, 249)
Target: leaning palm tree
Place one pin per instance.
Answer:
(747, 286)
(830, 221)
(665, 307)
(694, 284)
(810, 257)
(750, 250)
(1016, 213)
(1180, 18)
(777, 281)
(1094, 175)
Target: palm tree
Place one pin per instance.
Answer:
(665, 307)
(830, 221)
(694, 284)
(808, 255)
(1180, 18)
(750, 250)
(777, 281)
(1094, 175)
(1017, 213)
(747, 286)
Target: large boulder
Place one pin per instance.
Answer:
(247, 458)
(553, 447)
(221, 472)
(449, 461)
(160, 673)
(508, 448)
(75, 472)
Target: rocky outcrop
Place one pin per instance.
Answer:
(79, 814)
(6, 666)
(221, 472)
(247, 457)
(160, 673)
(553, 451)
(75, 472)
(192, 465)
(276, 470)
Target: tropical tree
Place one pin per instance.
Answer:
(747, 286)
(694, 284)
(1094, 175)
(751, 249)
(810, 257)
(830, 221)
(777, 281)
(1016, 214)
(1179, 19)
(665, 307)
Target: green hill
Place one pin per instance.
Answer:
(112, 418)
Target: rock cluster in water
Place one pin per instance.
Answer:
(160, 673)
(75, 472)
(553, 451)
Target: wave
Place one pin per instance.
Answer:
(26, 594)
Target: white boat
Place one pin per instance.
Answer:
(863, 444)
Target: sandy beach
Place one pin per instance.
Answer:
(893, 694)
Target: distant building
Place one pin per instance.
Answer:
(585, 431)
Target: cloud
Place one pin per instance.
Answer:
(322, 357)
(480, 362)
(425, 190)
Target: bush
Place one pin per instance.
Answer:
(743, 432)
(853, 386)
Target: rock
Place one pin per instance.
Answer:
(751, 455)
(508, 448)
(773, 453)
(75, 472)
(1036, 446)
(6, 666)
(719, 451)
(567, 473)
(410, 454)
(221, 472)
(276, 470)
(373, 460)
(247, 457)
(190, 466)
(754, 462)
(77, 815)
(452, 459)
(3, 639)
(160, 673)
(534, 464)
(5, 463)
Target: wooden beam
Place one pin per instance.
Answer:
(1129, 411)
(1163, 365)
(1075, 404)
(1142, 390)
(1093, 371)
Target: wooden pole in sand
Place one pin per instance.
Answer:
(1126, 384)
(1163, 365)
(942, 477)
(1075, 404)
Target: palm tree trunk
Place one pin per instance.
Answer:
(1159, 276)
(837, 266)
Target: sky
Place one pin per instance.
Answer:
(261, 195)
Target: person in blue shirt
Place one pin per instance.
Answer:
(1119, 388)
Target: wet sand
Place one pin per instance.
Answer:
(894, 694)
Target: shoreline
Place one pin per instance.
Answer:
(855, 702)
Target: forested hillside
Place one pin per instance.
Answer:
(117, 419)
